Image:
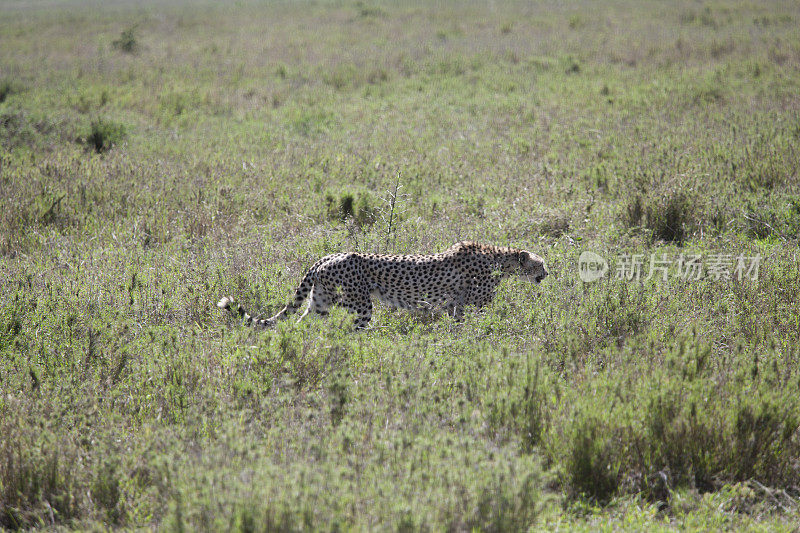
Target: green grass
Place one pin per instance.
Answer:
(156, 157)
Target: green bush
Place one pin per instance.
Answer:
(35, 477)
(23, 128)
(592, 463)
(343, 76)
(669, 216)
(669, 424)
(104, 135)
(348, 206)
(127, 41)
(7, 88)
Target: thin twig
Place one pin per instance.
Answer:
(392, 203)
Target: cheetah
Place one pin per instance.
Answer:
(465, 274)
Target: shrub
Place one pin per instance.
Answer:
(762, 164)
(668, 215)
(667, 425)
(127, 41)
(634, 212)
(504, 508)
(176, 103)
(366, 11)
(310, 121)
(377, 75)
(338, 394)
(104, 135)
(348, 206)
(591, 465)
(7, 88)
(36, 477)
(105, 490)
(572, 65)
(554, 223)
(21, 128)
(576, 22)
(343, 76)
(10, 326)
(709, 92)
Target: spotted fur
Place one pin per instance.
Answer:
(465, 274)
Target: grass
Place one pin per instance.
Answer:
(156, 157)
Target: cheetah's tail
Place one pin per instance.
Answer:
(300, 294)
(233, 306)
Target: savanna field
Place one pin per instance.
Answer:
(157, 156)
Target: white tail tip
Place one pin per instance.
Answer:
(225, 302)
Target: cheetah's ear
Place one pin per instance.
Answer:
(523, 257)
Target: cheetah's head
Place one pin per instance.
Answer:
(531, 267)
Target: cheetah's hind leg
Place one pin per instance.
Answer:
(319, 302)
(361, 306)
